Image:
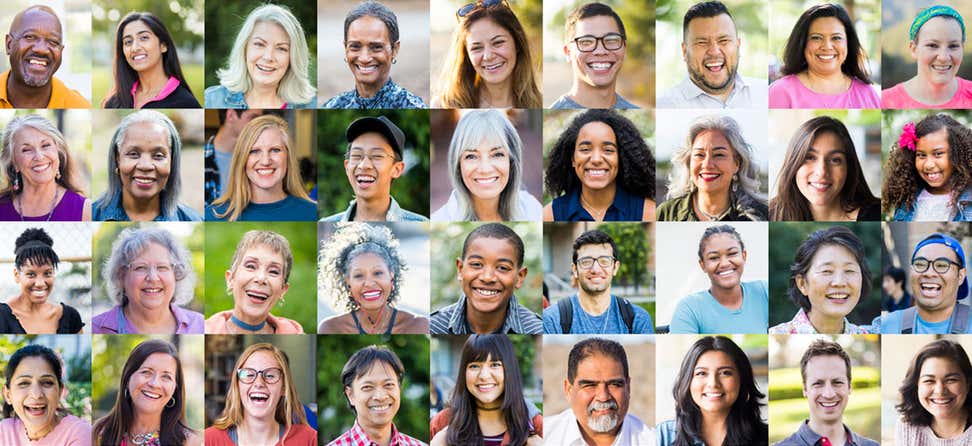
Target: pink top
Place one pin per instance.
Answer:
(71, 431)
(789, 92)
(897, 97)
(171, 85)
(219, 324)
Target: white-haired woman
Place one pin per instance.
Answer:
(268, 66)
(713, 176)
(40, 176)
(144, 178)
(486, 170)
(148, 276)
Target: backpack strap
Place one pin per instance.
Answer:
(960, 319)
(908, 320)
(627, 313)
(566, 309)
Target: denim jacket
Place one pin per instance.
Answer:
(115, 212)
(219, 96)
(964, 205)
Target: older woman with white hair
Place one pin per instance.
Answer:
(148, 276)
(268, 66)
(486, 170)
(714, 177)
(40, 176)
(143, 157)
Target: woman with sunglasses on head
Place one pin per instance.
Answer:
(262, 404)
(489, 64)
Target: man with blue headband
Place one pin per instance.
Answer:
(938, 282)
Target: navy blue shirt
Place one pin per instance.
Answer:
(625, 207)
(288, 209)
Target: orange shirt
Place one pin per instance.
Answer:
(61, 95)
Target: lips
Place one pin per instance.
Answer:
(820, 187)
(365, 180)
(596, 174)
(600, 67)
(265, 69)
(726, 273)
(930, 289)
(942, 68)
(258, 397)
(151, 395)
(144, 182)
(486, 181)
(713, 395)
(380, 408)
(934, 177)
(716, 66)
(36, 410)
(486, 387)
(708, 177)
(492, 68)
(265, 172)
(827, 57)
(485, 292)
(41, 167)
(257, 295)
(371, 295)
(838, 298)
(941, 401)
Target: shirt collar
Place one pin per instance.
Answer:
(362, 439)
(171, 85)
(58, 90)
(394, 212)
(116, 212)
(386, 90)
(576, 211)
(691, 91)
(117, 323)
(809, 437)
(459, 325)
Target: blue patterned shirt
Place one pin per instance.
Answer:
(391, 95)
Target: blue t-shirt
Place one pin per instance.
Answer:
(288, 209)
(609, 322)
(703, 314)
(891, 324)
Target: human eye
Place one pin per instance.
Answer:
(367, 388)
(274, 271)
(163, 269)
(837, 160)
(160, 156)
(354, 47)
(48, 383)
(727, 372)
(470, 156)
(496, 364)
(700, 373)
(475, 48)
(473, 366)
(250, 265)
(499, 154)
(377, 48)
(476, 264)
(30, 37)
(276, 150)
(837, 38)
(140, 268)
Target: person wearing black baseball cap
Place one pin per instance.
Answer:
(372, 161)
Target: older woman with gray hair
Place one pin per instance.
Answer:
(714, 177)
(40, 176)
(370, 49)
(144, 180)
(148, 276)
(361, 268)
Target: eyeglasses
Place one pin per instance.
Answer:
(588, 262)
(376, 158)
(270, 376)
(143, 269)
(941, 265)
(479, 4)
(610, 41)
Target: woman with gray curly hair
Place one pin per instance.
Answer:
(148, 276)
(362, 268)
(714, 177)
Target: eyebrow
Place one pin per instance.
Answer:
(716, 251)
(27, 375)
(713, 149)
(479, 257)
(953, 374)
(582, 382)
(272, 262)
(725, 367)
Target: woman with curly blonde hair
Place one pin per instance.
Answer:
(361, 267)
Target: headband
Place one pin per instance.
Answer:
(952, 244)
(935, 11)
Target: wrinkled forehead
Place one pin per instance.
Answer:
(36, 19)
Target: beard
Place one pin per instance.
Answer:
(698, 77)
(603, 423)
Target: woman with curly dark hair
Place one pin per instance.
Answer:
(600, 169)
(936, 407)
(717, 400)
(821, 178)
(929, 173)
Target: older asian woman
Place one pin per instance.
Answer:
(936, 405)
(258, 279)
(144, 179)
(32, 311)
(150, 406)
(148, 276)
(147, 69)
(600, 169)
(40, 176)
(264, 180)
(262, 404)
(33, 378)
(268, 66)
(370, 49)
(713, 176)
(362, 267)
(937, 43)
(828, 264)
(489, 64)
(824, 64)
(486, 170)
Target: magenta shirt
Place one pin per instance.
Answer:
(113, 322)
(171, 85)
(789, 92)
(897, 97)
(71, 431)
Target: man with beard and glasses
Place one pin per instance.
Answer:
(710, 49)
(598, 388)
(594, 309)
(34, 44)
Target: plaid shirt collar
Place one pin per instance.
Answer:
(356, 436)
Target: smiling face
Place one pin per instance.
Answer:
(712, 163)
(34, 393)
(711, 53)
(34, 45)
(370, 282)
(723, 260)
(600, 67)
(144, 161)
(141, 47)
(599, 394)
(826, 388)
(932, 161)
(597, 279)
(35, 156)
(485, 380)
(266, 163)
(153, 384)
(375, 396)
(491, 51)
(832, 283)
(938, 49)
(821, 177)
(826, 48)
(485, 170)
(715, 382)
(596, 157)
(36, 281)
(942, 389)
(260, 398)
(489, 274)
(267, 54)
(933, 291)
(150, 280)
(369, 52)
(257, 282)
(371, 166)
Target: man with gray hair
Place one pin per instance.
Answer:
(598, 389)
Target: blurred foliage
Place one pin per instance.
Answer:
(410, 190)
(786, 383)
(77, 362)
(300, 302)
(446, 243)
(334, 416)
(633, 247)
(223, 22)
(787, 237)
(181, 17)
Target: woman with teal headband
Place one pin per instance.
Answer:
(937, 44)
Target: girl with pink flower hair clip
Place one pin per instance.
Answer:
(929, 172)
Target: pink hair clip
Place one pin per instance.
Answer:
(908, 139)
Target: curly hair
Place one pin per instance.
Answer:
(902, 183)
(349, 241)
(636, 164)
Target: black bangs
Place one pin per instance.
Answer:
(480, 347)
(37, 256)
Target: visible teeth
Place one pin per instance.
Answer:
(380, 408)
(713, 395)
(487, 292)
(139, 57)
(265, 69)
(493, 66)
(714, 64)
(833, 404)
(936, 176)
(942, 67)
(265, 171)
(154, 396)
(709, 176)
(487, 180)
(828, 57)
(599, 65)
(821, 186)
(365, 178)
(257, 295)
(141, 180)
(726, 272)
(838, 296)
(367, 69)
(371, 295)
(152, 290)
(40, 62)
(930, 286)
(486, 387)
(41, 168)
(596, 172)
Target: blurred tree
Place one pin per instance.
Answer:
(181, 17)
(632, 243)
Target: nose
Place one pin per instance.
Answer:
(144, 162)
(939, 387)
(820, 167)
(488, 53)
(829, 391)
(713, 49)
(488, 274)
(602, 392)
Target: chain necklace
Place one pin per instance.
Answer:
(712, 217)
(374, 323)
(146, 439)
(598, 215)
(49, 213)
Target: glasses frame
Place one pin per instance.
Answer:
(931, 264)
(599, 40)
(259, 373)
(597, 260)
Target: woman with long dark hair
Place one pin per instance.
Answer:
(487, 405)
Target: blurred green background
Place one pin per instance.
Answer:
(75, 352)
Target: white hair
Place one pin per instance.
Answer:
(492, 128)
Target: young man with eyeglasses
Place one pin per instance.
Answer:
(938, 283)
(595, 47)
(594, 309)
